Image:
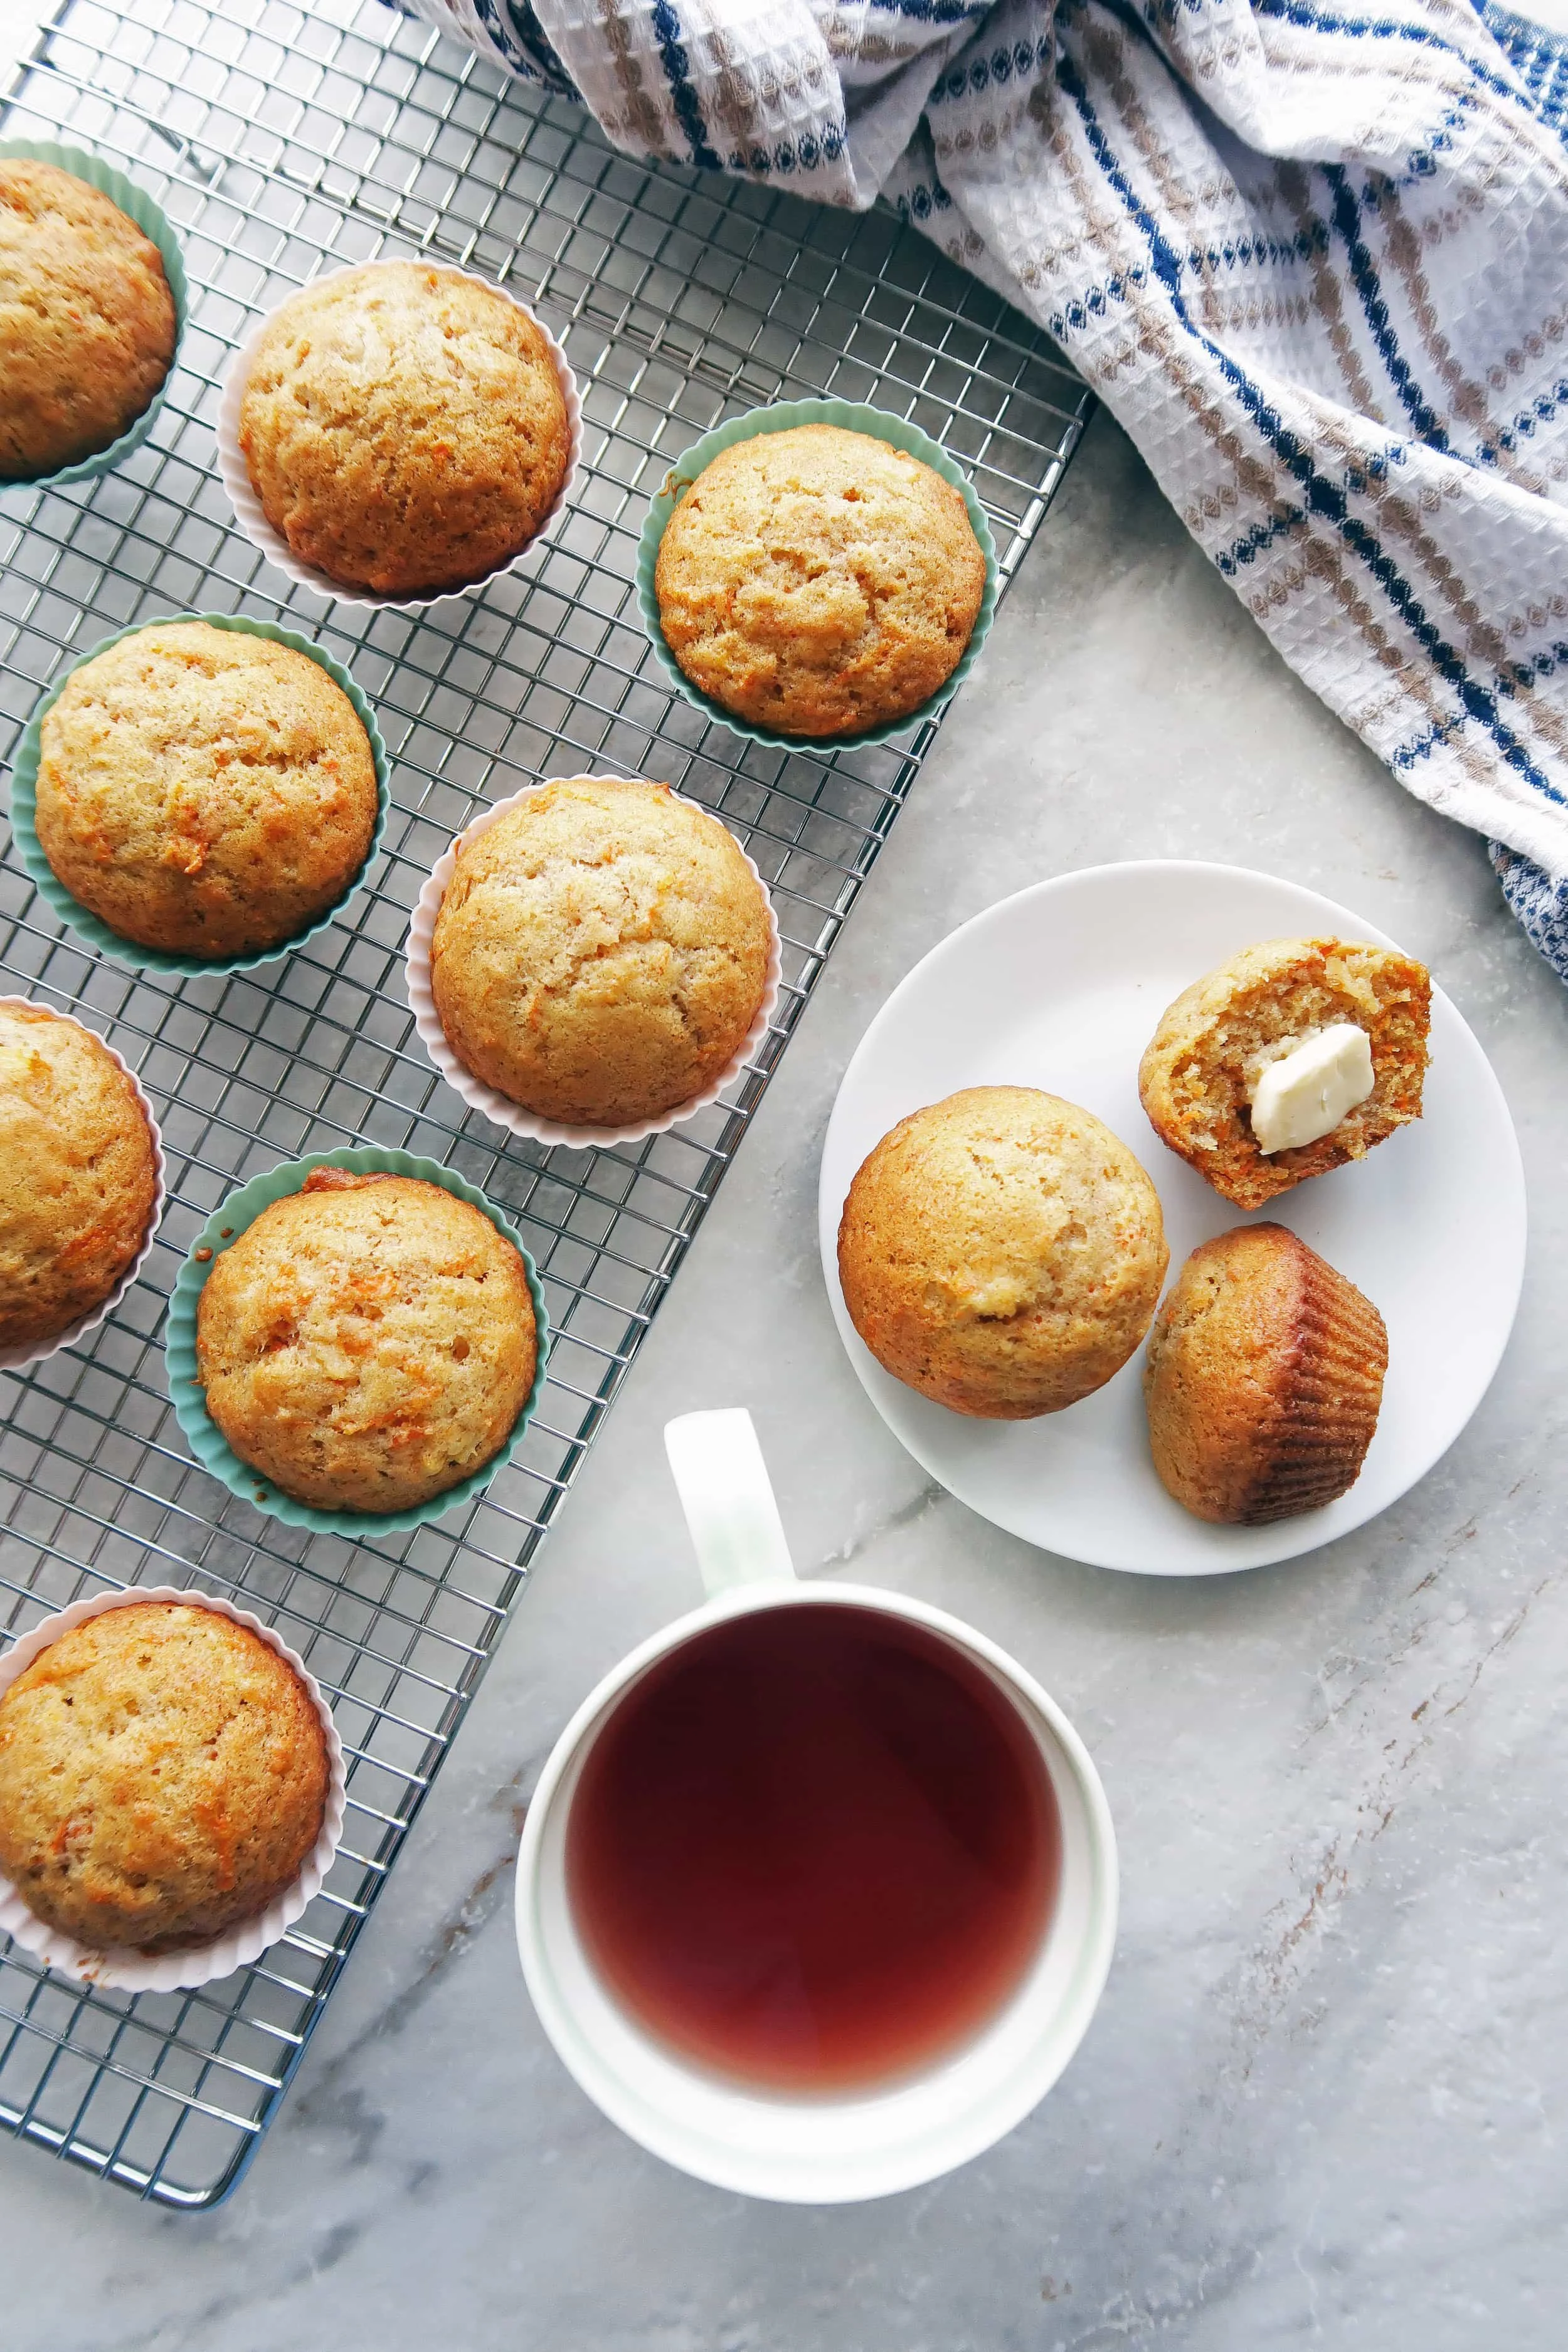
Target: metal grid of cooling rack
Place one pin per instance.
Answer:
(282, 142)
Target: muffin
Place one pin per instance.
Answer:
(368, 1342)
(600, 952)
(818, 581)
(203, 791)
(87, 321)
(78, 1173)
(164, 1776)
(403, 427)
(1263, 1379)
(1002, 1252)
(1201, 1074)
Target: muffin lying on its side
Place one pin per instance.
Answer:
(77, 1177)
(205, 792)
(368, 1342)
(600, 952)
(1002, 1252)
(1264, 1379)
(819, 582)
(164, 1776)
(1292, 1059)
(403, 427)
(87, 319)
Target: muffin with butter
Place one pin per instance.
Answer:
(87, 319)
(163, 1777)
(1002, 1252)
(403, 427)
(1291, 1058)
(78, 1173)
(819, 582)
(1264, 1379)
(600, 953)
(203, 791)
(367, 1342)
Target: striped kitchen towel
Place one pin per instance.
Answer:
(1312, 254)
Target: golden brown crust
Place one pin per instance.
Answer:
(366, 1343)
(1002, 1252)
(403, 427)
(1264, 1379)
(819, 582)
(205, 792)
(164, 1776)
(1198, 1068)
(77, 1178)
(600, 953)
(87, 319)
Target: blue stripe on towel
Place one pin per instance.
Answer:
(1384, 28)
(1323, 497)
(1364, 275)
(677, 73)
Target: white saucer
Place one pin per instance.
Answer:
(1061, 988)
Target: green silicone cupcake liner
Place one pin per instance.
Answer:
(149, 218)
(202, 1433)
(87, 925)
(779, 418)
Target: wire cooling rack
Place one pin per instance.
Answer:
(281, 142)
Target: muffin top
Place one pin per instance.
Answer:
(368, 1342)
(1002, 1252)
(1263, 1378)
(818, 581)
(77, 1178)
(600, 952)
(87, 319)
(403, 427)
(205, 792)
(1201, 1067)
(164, 1776)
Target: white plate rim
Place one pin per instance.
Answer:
(1282, 1539)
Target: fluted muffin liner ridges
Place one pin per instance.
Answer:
(235, 474)
(781, 417)
(149, 218)
(121, 1970)
(499, 1108)
(33, 1352)
(203, 1434)
(91, 927)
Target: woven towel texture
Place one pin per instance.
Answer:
(1312, 254)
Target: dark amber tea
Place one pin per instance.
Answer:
(814, 1848)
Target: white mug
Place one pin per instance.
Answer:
(816, 2148)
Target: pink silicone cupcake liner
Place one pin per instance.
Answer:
(33, 1352)
(132, 1971)
(499, 1108)
(235, 475)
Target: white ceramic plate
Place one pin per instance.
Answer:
(1061, 988)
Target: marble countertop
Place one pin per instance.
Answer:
(1322, 2097)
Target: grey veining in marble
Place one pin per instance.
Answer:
(1322, 2099)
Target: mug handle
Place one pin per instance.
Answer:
(725, 1493)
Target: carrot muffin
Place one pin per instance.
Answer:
(1292, 1059)
(600, 952)
(1002, 1252)
(77, 1177)
(87, 319)
(403, 427)
(164, 1776)
(368, 1342)
(205, 792)
(819, 582)
(1263, 1381)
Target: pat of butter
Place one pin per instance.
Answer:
(1308, 1091)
